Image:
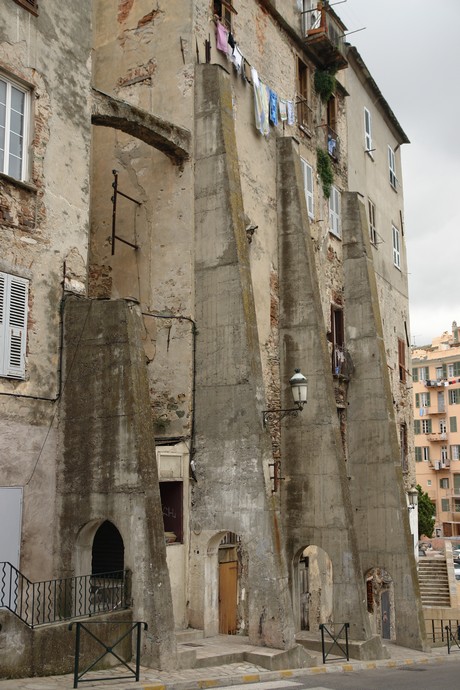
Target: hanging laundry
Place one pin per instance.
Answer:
(237, 59)
(258, 108)
(231, 42)
(273, 107)
(265, 96)
(221, 38)
(246, 71)
(283, 109)
(290, 113)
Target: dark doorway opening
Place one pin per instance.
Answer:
(108, 550)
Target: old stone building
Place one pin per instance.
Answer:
(182, 227)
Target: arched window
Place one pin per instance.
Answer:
(108, 550)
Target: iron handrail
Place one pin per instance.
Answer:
(49, 601)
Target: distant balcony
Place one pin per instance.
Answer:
(440, 464)
(435, 383)
(437, 437)
(326, 37)
(437, 410)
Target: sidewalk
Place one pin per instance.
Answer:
(229, 674)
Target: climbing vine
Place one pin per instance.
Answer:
(325, 172)
(325, 82)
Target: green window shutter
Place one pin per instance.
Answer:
(456, 368)
(429, 426)
(445, 505)
(415, 375)
(428, 399)
(444, 371)
(418, 454)
(417, 426)
(417, 400)
(453, 424)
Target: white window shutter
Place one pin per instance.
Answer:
(2, 322)
(16, 327)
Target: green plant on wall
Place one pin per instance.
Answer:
(325, 172)
(325, 82)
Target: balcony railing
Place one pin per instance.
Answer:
(325, 36)
(49, 601)
(442, 436)
(440, 464)
(435, 383)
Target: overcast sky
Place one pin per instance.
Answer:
(412, 49)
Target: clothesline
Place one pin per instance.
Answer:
(267, 104)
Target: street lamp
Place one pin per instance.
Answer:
(298, 384)
(413, 499)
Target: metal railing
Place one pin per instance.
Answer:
(108, 650)
(436, 629)
(49, 601)
(337, 645)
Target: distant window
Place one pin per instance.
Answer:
(372, 224)
(455, 452)
(426, 426)
(396, 248)
(307, 172)
(392, 167)
(172, 505)
(444, 455)
(402, 360)
(304, 111)
(31, 5)
(444, 483)
(335, 225)
(13, 325)
(224, 10)
(422, 400)
(428, 482)
(14, 109)
(445, 505)
(368, 132)
(454, 396)
(426, 453)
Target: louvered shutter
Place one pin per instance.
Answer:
(2, 322)
(415, 376)
(416, 426)
(15, 327)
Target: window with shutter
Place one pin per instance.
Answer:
(415, 376)
(367, 132)
(307, 172)
(417, 426)
(31, 5)
(392, 167)
(453, 424)
(396, 248)
(418, 454)
(334, 212)
(454, 396)
(13, 325)
(372, 225)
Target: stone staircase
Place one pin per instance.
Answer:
(434, 582)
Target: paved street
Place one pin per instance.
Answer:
(417, 677)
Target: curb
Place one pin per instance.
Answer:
(266, 676)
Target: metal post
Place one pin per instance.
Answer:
(114, 207)
(138, 651)
(347, 625)
(77, 654)
(321, 627)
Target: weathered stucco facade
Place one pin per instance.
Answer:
(180, 266)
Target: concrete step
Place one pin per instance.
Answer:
(188, 635)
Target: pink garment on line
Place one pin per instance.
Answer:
(222, 38)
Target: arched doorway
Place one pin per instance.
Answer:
(380, 603)
(108, 551)
(312, 588)
(225, 606)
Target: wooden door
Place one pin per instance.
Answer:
(228, 584)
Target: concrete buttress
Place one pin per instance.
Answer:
(376, 482)
(232, 492)
(108, 468)
(316, 504)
